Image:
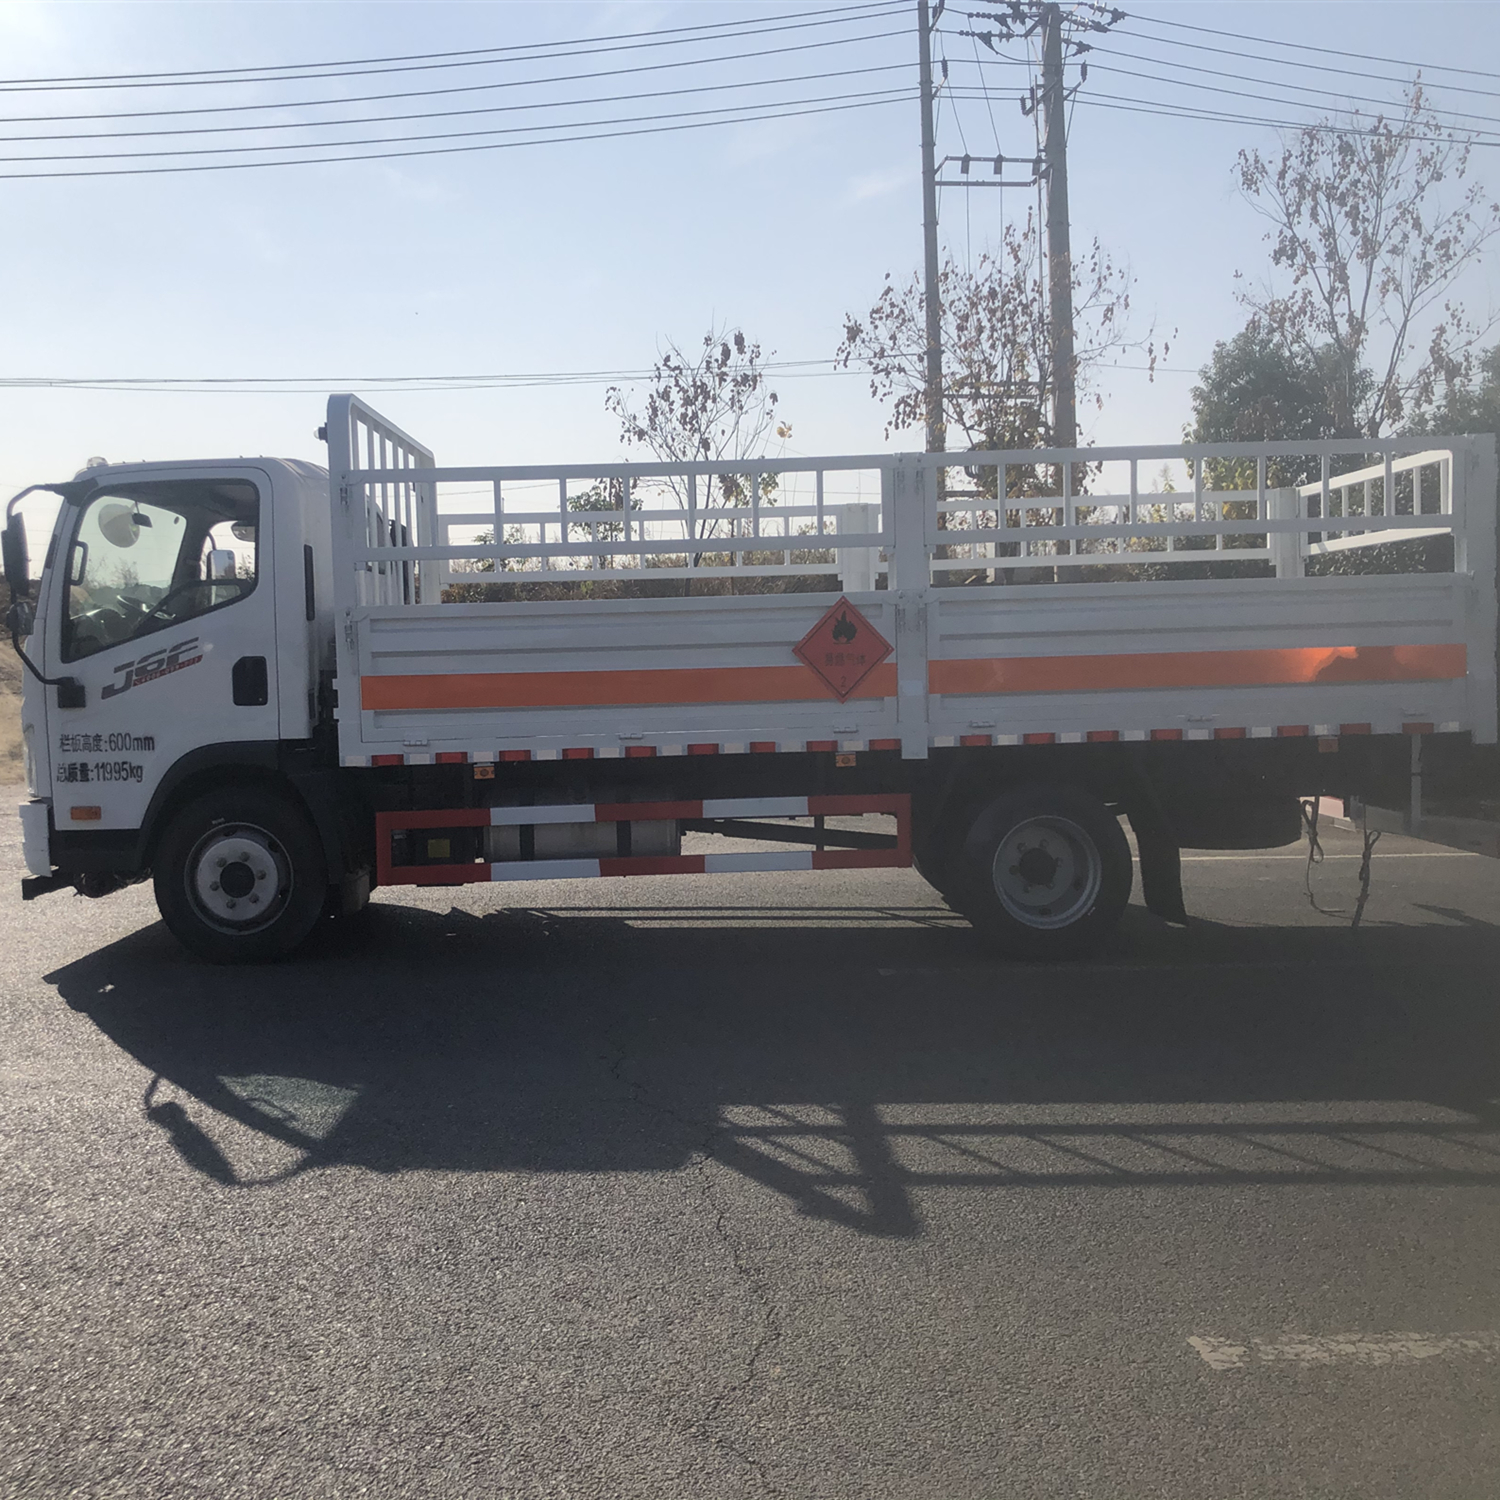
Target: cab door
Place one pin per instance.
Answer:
(162, 609)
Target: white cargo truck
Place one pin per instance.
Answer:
(271, 687)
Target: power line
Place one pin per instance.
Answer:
(1218, 88)
(1301, 88)
(1321, 68)
(1332, 100)
(1155, 107)
(205, 130)
(1399, 62)
(281, 73)
(302, 385)
(449, 135)
(471, 88)
(312, 384)
(894, 97)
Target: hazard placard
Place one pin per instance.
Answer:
(843, 648)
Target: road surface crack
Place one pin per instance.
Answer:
(703, 1157)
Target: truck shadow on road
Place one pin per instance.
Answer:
(849, 1068)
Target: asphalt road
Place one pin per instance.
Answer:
(771, 1186)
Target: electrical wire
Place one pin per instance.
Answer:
(1328, 100)
(1130, 105)
(281, 73)
(304, 385)
(1218, 88)
(446, 114)
(895, 97)
(449, 135)
(1400, 62)
(1278, 62)
(472, 88)
(1322, 127)
(293, 385)
(988, 105)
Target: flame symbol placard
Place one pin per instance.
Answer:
(843, 648)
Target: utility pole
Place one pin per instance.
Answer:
(930, 298)
(1059, 252)
(1021, 21)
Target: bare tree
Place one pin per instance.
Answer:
(713, 404)
(1364, 251)
(997, 346)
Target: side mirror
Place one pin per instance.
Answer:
(17, 560)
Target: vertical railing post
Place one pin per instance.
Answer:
(345, 593)
(912, 507)
(857, 566)
(1414, 813)
(1472, 505)
(692, 520)
(1285, 546)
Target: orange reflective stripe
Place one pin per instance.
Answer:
(1188, 669)
(792, 684)
(1015, 674)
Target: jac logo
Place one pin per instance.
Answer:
(154, 665)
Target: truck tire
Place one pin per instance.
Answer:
(240, 875)
(937, 848)
(1046, 873)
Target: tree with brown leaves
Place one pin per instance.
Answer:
(1365, 248)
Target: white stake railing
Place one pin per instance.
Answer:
(833, 518)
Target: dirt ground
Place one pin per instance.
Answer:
(10, 702)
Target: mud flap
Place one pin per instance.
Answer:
(1161, 864)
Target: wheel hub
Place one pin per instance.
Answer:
(1047, 872)
(239, 877)
(1038, 866)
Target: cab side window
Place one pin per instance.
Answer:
(147, 557)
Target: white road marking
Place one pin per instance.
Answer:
(1301, 859)
(1345, 1349)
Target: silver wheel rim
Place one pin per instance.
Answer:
(239, 878)
(1047, 872)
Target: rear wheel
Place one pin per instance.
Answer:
(1046, 872)
(938, 852)
(240, 875)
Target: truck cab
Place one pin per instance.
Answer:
(181, 622)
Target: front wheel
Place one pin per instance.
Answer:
(240, 875)
(1046, 872)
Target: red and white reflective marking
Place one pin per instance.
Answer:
(937, 742)
(386, 823)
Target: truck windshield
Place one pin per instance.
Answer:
(145, 557)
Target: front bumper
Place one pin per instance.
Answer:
(36, 836)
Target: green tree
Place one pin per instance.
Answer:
(1255, 389)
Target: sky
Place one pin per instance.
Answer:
(586, 255)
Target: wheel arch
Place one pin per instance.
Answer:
(249, 763)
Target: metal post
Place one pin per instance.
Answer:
(1414, 818)
(1059, 252)
(930, 298)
